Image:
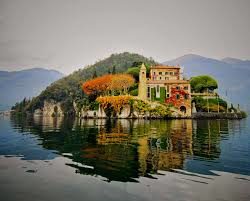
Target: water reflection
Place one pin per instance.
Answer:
(124, 150)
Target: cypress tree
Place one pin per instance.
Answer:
(94, 74)
(113, 70)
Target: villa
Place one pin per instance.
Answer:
(166, 85)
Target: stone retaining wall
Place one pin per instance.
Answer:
(212, 115)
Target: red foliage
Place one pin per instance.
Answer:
(177, 102)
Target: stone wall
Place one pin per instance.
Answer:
(52, 108)
(89, 114)
(100, 113)
(125, 113)
(213, 115)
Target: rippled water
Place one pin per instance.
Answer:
(66, 159)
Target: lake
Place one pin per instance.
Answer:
(45, 158)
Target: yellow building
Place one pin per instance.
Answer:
(166, 84)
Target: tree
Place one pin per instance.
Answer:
(137, 63)
(115, 102)
(134, 72)
(202, 83)
(97, 86)
(113, 70)
(122, 82)
(108, 83)
(21, 106)
(94, 74)
(135, 69)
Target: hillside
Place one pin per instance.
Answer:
(16, 85)
(68, 88)
(232, 75)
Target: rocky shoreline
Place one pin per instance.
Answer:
(54, 109)
(197, 115)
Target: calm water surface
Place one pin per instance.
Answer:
(66, 159)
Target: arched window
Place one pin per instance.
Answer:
(183, 109)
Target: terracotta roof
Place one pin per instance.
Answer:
(167, 81)
(165, 67)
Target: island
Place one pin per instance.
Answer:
(131, 86)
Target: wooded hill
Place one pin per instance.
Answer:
(68, 89)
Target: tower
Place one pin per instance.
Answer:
(142, 91)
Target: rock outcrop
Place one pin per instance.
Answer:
(52, 108)
(125, 113)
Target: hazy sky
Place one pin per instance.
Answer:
(69, 34)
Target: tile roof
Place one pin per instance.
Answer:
(165, 67)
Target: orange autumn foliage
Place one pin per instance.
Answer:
(122, 82)
(97, 85)
(116, 102)
(107, 83)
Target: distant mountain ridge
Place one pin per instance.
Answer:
(15, 85)
(231, 60)
(232, 75)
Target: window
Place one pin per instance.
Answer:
(171, 73)
(166, 73)
(186, 88)
(177, 96)
(148, 92)
(167, 96)
(160, 78)
(160, 73)
(186, 96)
(177, 87)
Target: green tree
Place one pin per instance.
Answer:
(203, 82)
(94, 74)
(134, 71)
(113, 70)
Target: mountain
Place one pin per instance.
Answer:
(237, 62)
(68, 88)
(16, 85)
(232, 75)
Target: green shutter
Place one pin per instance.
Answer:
(153, 94)
(162, 94)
